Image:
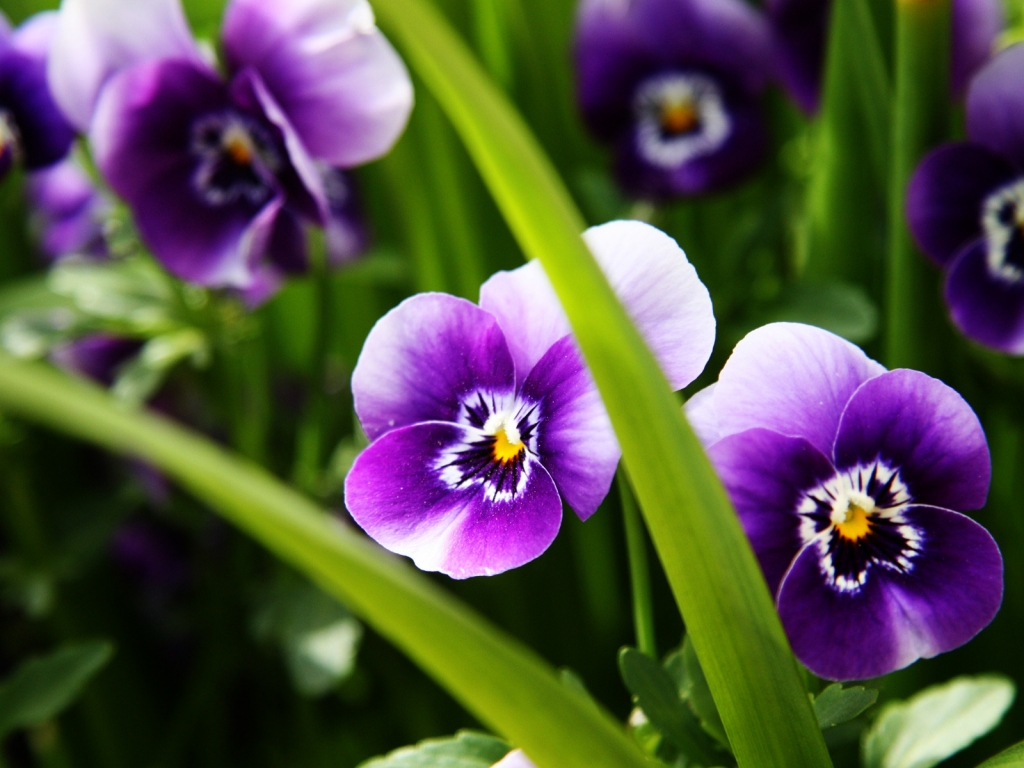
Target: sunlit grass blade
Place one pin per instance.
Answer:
(913, 338)
(712, 570)
(497, 679)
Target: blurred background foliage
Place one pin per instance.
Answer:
(224, 657)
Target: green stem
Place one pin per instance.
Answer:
(639, 570)
(921, 118)
(310, 436)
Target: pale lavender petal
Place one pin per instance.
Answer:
(651, 276)
(96, 38)
(974, 27)
(35, 35)
(66, 210)
(951, 591)
(515, 759)
(700, 412)
(922, 427)
(398, 492)
(995, 105)
(793, 379)
(576, 442)
(336, 77)
(766, 474)
(424, 359)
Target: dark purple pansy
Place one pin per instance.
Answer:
(224, 174)
(965, 207)
(33, 130)
(484, 418)
(850, 481)
(675, 86)
(99, 356)
(67, 211)
(800, 29)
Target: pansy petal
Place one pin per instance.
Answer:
(346, 230)
(946, 193)
(66, 210)
(974, 28)
(98, 357)
(739, 155)
(398, 492)
(96, 38)
(951, 592)
(765, 474)
(651, 277)
(987, 308)
(141, 139)
(791, 378)
(336, 77)
(426, 357)
(576, 442)
(995, 105)
(515, 759)
(800, 29)
(700, 412)
(923, 428)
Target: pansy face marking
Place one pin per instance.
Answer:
(855, 521)
(1003, 223)
(9, 141)
(679, 116)
(237, 159)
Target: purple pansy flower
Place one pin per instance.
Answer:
(67, 211)
(223, 175)
(675, 85)
(800, 29)
(484, 418)
(965, 207)
(849, 480)
(99, 356)
(32, 129)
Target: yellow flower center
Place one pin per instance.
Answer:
(679, 117)
(507, 444)
(857, 523)
(238, 146)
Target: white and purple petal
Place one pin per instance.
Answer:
(793, 379)
(946, 195)
(700, 412)
(66, 210)
(576, 443)
(986, 306)
(766, 475)
(925, 430)
(995, 106)
(96, 38)
(408, 494)
(426, 359)
(335, 76)
(946, 594)
(650, 275)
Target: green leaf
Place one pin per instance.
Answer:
(1009, 758)
(840, 308)
(837, 705)
(466, 749)
(496, 678)
(714, 575)
(43, 687)
(698, 694)
(657, 695)
(937, 722)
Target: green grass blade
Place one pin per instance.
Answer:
(1009, 758)
(712, 570)
(497, 679)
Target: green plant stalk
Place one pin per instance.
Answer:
(852, 145)
(712, 570)
(639, 570)
(500, 681)
(914, 333)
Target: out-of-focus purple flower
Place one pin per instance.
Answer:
(150, 555)
(223, 175)
(846, 477)
(485, 418)
(965, 207)
(32, 129)
(98, 357)
(67, 211)
(675, 86)
(800, 29)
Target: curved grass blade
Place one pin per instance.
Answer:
(500, 681)
(712, 570)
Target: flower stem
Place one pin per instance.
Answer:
(639, 570)
(920, 120)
